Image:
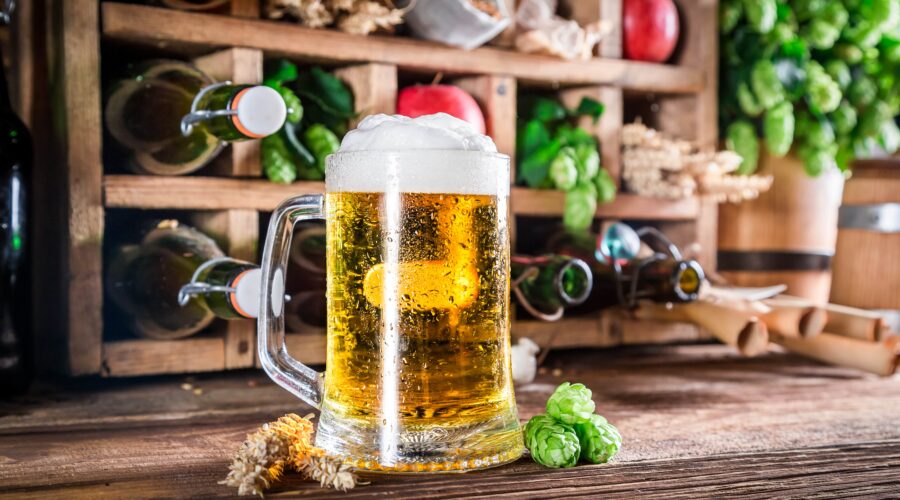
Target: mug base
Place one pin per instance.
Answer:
(425, 448)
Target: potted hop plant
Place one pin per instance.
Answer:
(806, 87)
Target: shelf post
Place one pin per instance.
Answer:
(374, 88)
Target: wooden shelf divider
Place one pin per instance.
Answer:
(191, 33)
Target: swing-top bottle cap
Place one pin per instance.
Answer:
(245, 298)
(260, 111)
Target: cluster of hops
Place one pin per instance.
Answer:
(662, 167)
(285, 443)
(359, 17)
(570, 430)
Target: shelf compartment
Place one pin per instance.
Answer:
(191, 33)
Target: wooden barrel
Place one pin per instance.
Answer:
(787, 235)
(867, 257)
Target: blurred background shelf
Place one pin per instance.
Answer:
(193, 34)
(90, 39)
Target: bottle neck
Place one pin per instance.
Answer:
(553, 281)
(236, 112)
(226, 287)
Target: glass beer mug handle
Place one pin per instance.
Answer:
(297, 378)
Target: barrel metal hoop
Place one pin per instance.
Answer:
(881, 217)
(766, 260)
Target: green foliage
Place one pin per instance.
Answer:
(313, 126)
(828, 68)
(554, 153)
(741, 138)
(778, 128)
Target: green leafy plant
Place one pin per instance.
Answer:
(819, 76)
(319, 107)
(553, 153)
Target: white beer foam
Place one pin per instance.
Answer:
(429, 154)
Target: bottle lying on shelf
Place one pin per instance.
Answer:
(174, 119)
(546, 285)
(177, 280)
(620, 277)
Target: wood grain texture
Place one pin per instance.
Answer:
(696, 421)
(238, 65)
(244, 8)
(216, 193)
(200, 193)
(176, 30)
(75, 76)
(374, 88)
(128, 358)
(550, 202)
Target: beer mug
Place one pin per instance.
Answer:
(418, 374)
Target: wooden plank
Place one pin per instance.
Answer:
(175, 30)
(608, 129)
(238, 233)
(200, 193)
(605, 330)
(780, 438)
(307, 348)
(497, 97)
(125, 358)
(244, 8)
(374, 88)
(549, 202)
(75, 74)
(238, 65)
(215, 193)
(868, 190)
(707, 234)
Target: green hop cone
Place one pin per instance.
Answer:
(552, 444)
(571, 404)
(563, 170)
(599, 440)
(532, 427)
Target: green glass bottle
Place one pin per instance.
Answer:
(177, 281)
(548, 284)
(173, 119)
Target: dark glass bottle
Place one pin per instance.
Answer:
(659, 279)
(550, 283)
(174, 119)
(15, 257)
(177, 280)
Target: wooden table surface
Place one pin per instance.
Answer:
(696, 421)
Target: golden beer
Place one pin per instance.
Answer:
(452, 326)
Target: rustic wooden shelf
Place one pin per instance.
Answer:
(192, 33)
(219, 193)
(205, 352)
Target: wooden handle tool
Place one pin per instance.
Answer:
(879, 358)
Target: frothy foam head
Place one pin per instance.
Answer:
(429, 154)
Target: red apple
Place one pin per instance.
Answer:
(650, 29)
(419, 100)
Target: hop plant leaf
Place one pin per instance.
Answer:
(599, 440)
(571, 404)
(552, 444)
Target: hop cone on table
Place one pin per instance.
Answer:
(571, 404)
(599, 439)
(552, 444)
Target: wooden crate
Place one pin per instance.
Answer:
(226, 199)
